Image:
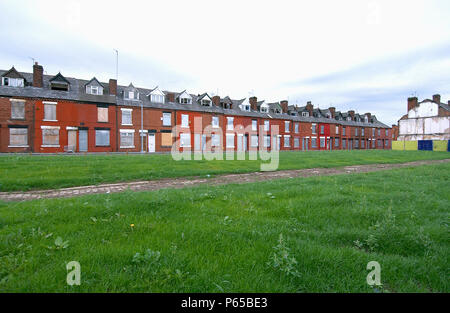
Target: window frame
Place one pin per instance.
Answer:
(16, 102)
(99, 131)
(123, 115)
(24, 145)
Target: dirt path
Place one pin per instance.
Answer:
(194, 181)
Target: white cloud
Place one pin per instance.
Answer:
(230, 46)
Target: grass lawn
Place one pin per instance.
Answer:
(227, 238)
(18, 172)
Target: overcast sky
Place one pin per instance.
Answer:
(361, 55)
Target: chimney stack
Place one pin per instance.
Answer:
(284, 105)
(216, 100)
(437, 98)
(352, 114)
(253, 103)
(309, 107)
(170, 97)
(38, 75)
(332, 110)
(112, 87)
(369, 115)
(412, 103)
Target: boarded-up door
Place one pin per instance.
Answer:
(83, 140)
(72, 140)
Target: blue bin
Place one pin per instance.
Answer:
(426, 145)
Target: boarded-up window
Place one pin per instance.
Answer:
(184, 120)
(215, 140)
(17, 109)
(322, 142)
(287, 141)
(215, 121)
(18, 136)
(185, 140)
(50, 137)
(254, 125)
(126, 117)
(254, 141)
(102, 137)
(167, 119)
(230, 123)
(230, 140)
(126, 139)
(102, 114)
(266, 141)
(166, 139)
(50, 112)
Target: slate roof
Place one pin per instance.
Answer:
(77, 92)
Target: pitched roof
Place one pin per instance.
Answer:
(94, 81)
(59, 78)
(13, 73)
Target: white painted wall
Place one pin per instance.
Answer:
(435, 128)
(425, 109)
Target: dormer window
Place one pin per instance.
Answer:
(131, 95)
(12, 78)
(185, 100)
(305, 114)
(12, 82)
(206, 102)
(94, 90)
(93, 87)
(349, 118)
(157, 98)
(263, 109)
(59, 82)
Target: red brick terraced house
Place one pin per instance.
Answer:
(54, 114)
(59, 114)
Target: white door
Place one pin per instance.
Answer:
(151, 142)
(197, 143)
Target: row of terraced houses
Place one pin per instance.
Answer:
(52, 113)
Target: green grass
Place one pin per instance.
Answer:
(46, 172)
(222, 238)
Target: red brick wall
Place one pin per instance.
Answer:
(6, 121)
(74, 114)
